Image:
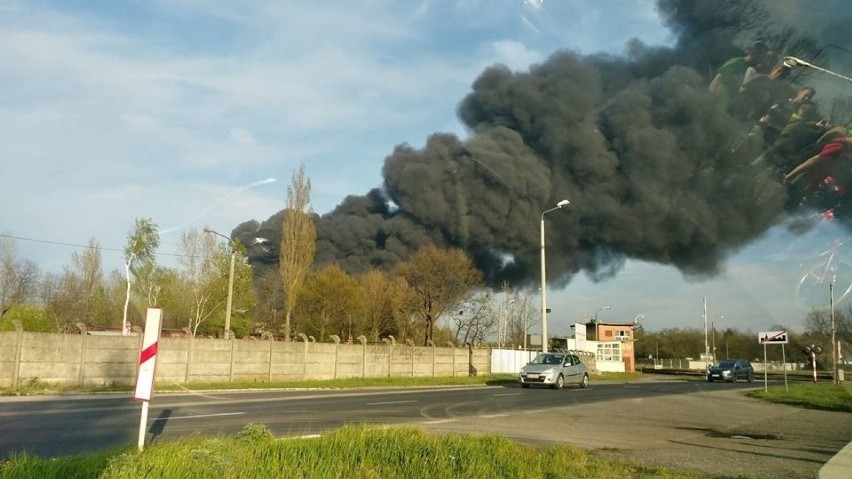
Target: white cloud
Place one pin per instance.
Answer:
(107, 116)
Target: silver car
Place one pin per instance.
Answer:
(554, 370)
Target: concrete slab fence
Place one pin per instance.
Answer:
(92, 360)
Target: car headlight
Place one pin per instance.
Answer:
(726, 373)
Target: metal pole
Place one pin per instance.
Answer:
(706, 345)
(143, 422)
(227, 331)
(544, 341)
(834, 374)
(765, 375)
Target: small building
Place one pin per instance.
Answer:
(614, 342)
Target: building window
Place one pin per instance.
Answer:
(609, 352)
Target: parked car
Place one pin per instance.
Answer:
(731, 370)
(554, 370)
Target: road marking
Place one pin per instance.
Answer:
(388, 402)
(489, 416)
(439, 421)
(199, 416)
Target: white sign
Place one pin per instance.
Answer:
(580, 336)
(148, 355)
(772, 337)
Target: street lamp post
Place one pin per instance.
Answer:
(797, 62)
(544, 278)
(230, 283)
(595, 320)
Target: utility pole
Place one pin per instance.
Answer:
(706, 344)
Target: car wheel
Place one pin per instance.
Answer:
(585, 382)
(709, 380)
(525, 386)
(751, 378)
(560, 381)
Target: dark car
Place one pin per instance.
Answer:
(731, 370)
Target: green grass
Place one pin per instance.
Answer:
(824, 395)
(356, 451)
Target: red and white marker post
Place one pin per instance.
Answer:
(147, 367)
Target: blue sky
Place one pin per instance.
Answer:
(180, 110)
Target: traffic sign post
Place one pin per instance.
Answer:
(773, 337)
(147, 367)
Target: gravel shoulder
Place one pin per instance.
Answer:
(720, 432)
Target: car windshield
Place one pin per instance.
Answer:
(726, 364)
(547, 359)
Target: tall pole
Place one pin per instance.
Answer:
(834, 373)
(230, 295)
(706, 344)
(544, 340)
(526, 320)
(543, 292)
(595, 320)
(228, 304)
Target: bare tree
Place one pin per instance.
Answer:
(269, 291)
(18, 279)
(139, 259)
(298, 243)
(78, 289)
(475, 320)
(198, 275)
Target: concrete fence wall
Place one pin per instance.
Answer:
(86, 360)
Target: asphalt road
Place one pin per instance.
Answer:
(694, 425)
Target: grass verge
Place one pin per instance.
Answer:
(825, 396)
(356, 451)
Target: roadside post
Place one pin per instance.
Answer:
(812, 351)
(773, 337)
(147, 367)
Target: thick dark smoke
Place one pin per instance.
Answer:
(636, 143)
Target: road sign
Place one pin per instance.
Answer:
(772, 337)
(148, 355)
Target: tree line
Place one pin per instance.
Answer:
(731, 343)
(436, 295)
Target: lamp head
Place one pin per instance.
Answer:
(791, 62)
(562, 203)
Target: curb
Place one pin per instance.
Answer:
(839, 466)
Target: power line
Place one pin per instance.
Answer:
(76, 245)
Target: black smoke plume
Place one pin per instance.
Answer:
(636, 143)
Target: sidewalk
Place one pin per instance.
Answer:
(840, 466)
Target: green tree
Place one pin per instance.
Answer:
(32, 317)
(298, 243)
(331, 301)
(386, 304)
(139, 258)
(440, 280)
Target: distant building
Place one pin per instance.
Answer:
(614, 342)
